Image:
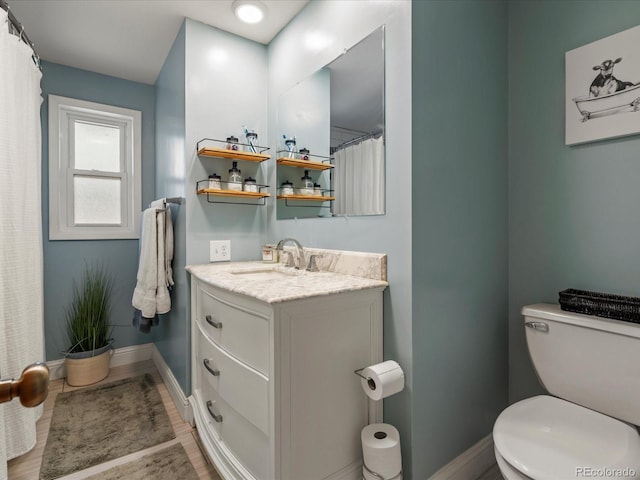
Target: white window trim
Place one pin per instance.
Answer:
(61, 227)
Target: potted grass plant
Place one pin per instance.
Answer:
(88, 328)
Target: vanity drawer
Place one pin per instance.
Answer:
(247, 443)
(241, 332)
(244, 389)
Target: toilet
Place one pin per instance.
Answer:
(587, 426)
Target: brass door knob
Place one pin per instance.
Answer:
(32, 387)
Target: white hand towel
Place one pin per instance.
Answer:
(144, 295)
(168, 247)
(159, 204)
(163, 300)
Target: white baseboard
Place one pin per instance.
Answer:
(121, 356)
(470, 464)
(134, 354)
(177, 395)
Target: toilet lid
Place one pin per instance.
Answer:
(547, 438)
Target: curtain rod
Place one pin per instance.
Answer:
(19, 27)
(359, 139)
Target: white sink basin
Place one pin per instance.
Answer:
(265, 274)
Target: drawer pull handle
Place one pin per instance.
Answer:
(217, 418)
(212, 371)
(212, 322)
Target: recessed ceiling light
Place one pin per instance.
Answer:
(249, 11)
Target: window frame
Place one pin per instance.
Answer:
(63, 113)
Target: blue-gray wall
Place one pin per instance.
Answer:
(459, 225)
(65, 260)
(573, 216)
(226, 88)
(171, 336)
(390, 233)
(198, 96)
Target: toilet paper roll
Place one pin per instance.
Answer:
(384, 379)
(381, 451)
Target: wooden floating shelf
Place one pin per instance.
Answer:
(235, 154)
(308, 164)
(232, 193)
(312, 198)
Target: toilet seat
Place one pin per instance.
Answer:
(546, 438)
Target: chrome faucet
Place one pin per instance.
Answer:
(300, 261)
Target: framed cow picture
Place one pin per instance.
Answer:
(603, 88)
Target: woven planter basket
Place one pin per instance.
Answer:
(84, 369)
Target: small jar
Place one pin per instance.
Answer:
(250, 185)
(214, 182)
(269, 254)
(235, 179)
(307, 184)
(304, 153)
(252, 140)
(290, 144)
(317, 190)
(287, 188)
(232, 143)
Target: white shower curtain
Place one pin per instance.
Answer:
(21, 291)
(359, 179)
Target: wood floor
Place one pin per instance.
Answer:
(492, 474)
(27, 467)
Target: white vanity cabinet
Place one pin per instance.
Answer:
(275, 396)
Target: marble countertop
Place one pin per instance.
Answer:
(296, 284)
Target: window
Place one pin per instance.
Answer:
(94, 170)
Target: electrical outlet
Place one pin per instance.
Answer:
(219, 250)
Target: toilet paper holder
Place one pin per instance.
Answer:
(370, 382)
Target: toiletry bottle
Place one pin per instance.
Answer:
(269, 254)
(250, 185)
(304, 153)
(235, 179)
(232, 143)
(317, 190)
(214, 182)
(287, 188)
(307, 184)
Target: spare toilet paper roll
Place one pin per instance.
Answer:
(381, 451)
(384, 379)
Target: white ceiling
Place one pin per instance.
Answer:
(130, 39)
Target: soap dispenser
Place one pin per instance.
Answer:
(235, 179)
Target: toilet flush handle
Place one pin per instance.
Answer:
(540, 326)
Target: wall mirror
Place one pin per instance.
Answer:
(331, 148)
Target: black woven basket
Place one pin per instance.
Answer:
(601, 304)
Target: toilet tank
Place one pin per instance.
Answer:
(588, 360)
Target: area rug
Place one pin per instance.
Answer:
(94, 425)
(172, 463)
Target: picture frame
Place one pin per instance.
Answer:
(603, 88)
